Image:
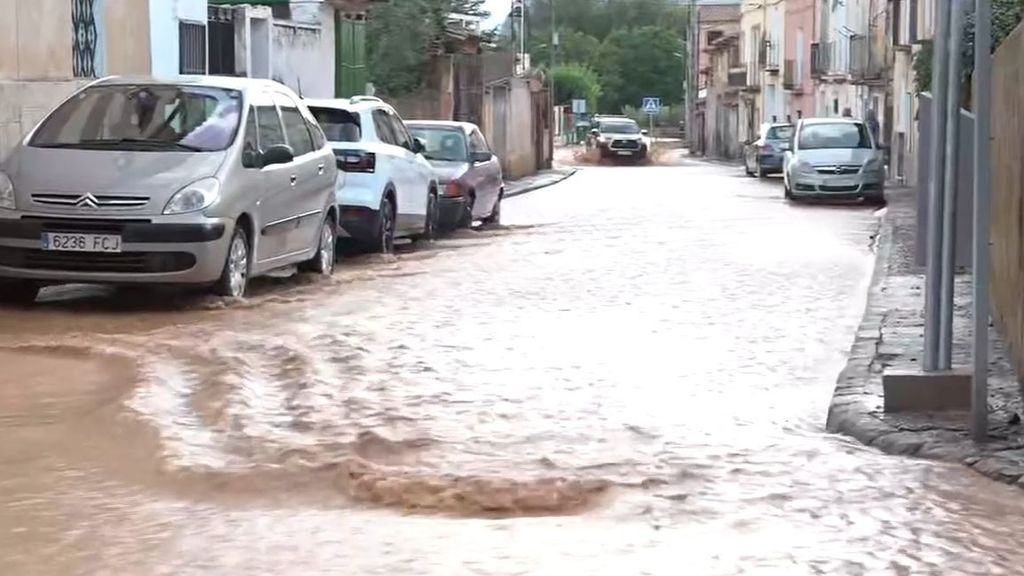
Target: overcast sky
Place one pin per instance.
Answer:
(498, 9)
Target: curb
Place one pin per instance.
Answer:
(856, 406)
(544, 184)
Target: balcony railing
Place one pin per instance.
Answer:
(738, 79)
(821, 58)
(790, 79)
(771, 57)
(867, 60)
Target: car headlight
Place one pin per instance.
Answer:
(873, 165)
(6, 192)
(803, 167)
(196, 196)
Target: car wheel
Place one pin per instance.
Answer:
(787, 191)
(18, 292)
(386, 228)
(876, 199)
(325, 256)
(430, 224)
(466, 218)
(234, 279)
(495, 217)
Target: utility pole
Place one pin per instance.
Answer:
(934, 261)
(551, 73)
(692, 48)
(982, 215)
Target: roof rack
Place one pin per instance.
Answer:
(358, 99)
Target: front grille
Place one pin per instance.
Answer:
(838, 170)
(120, 263)
(631, 144)
(83, 226)
(94, 201)
(825, 188)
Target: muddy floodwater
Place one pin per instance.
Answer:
(630, 376)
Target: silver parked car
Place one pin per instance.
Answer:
(194, 181)
(834, 158)
(470, 175)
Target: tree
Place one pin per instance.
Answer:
(638, 63)
(399, 36)
(577, 81)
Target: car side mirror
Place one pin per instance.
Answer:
(278, 154)
(595, 132)
(481, 157)
(418, 146)
(643, 132)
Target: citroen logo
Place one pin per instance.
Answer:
(87, 201)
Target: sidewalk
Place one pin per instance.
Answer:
(537, 181)
(892, 335)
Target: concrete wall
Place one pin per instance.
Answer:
(126, 26)
(303, 53)
(164, 17)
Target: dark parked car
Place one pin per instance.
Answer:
(764, 155)
(469, 173)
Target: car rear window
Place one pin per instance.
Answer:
(338, 125)
(779, 133)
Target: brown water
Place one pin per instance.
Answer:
(630, 377)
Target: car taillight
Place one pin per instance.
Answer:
(355, 160)
(767, 149)
(453, 189)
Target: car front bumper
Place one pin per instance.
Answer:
(853, 186)
(157, 250)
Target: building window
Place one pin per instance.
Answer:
(85, 43)
(192, 48)
(282, 11)
(221, 41)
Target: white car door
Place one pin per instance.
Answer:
(413, 201)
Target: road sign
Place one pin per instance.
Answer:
(579, 106)
(652, 105)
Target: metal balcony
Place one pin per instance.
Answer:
(791, 81)
(867, 60)
(771, 57)
(738, 79)
(821, 58)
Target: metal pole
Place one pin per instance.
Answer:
(933, 272)
(982, 214)
(694, 49)
(956, 25)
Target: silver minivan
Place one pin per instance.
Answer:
(834, 158)
(191, 181)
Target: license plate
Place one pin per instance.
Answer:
(625, 153)
(72, 242)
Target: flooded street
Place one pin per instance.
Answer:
(631, 376)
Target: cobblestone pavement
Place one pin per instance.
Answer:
(629, 377)
(892, 336)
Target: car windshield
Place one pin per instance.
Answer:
(446, 144)
(619, 128)
(338, 125)
(834, 135)
(144, 118)
(779, 133)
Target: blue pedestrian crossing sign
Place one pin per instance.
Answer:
(652, 105)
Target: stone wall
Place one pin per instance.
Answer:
(1007, 194)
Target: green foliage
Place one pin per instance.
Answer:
(635, 63)
(398, 38)
(577, 81)
(635, 46)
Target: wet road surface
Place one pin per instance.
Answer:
(630, 377)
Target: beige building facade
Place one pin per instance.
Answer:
(49, 48)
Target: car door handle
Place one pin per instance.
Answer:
(294, 179)
(320, 168)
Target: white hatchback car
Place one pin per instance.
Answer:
(390, 189)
